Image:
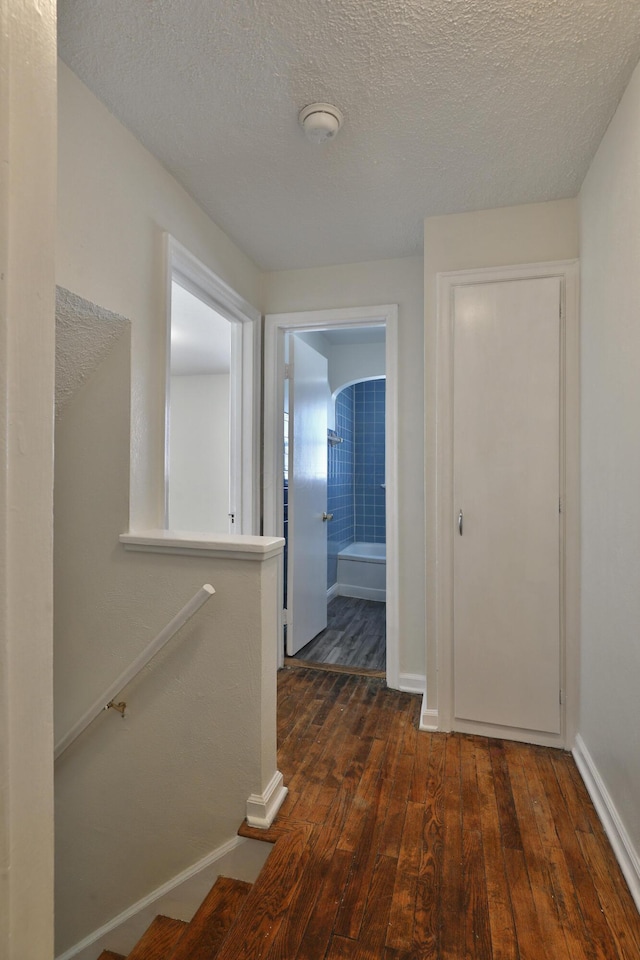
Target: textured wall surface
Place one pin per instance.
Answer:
(84, 335)
(449, 106)
(610, 294)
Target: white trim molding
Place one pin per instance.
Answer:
(263, 807)
(378, 594)
(623, 848)
(412, 683)
(277, 325)
(429, 720)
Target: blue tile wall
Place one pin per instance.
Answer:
(340, 483)
(369, 455)
(356, 471)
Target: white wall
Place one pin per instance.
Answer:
(355, 361)
(115, 200)
(141, 799)
(487, 238)
(610, 268)
(199, 453)
(27, 297)
(362, 284)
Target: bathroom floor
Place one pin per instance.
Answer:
(354, 637)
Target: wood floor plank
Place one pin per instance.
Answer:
(270, 898)
(355, 635)
(159, 940)
(617, 904)
(476, 906)
(520, 771)
(563, 891)
(504, 944)
(601, 945)
(213, 919)
(352, 909)
(435, 846)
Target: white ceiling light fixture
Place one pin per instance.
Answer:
(320, 121)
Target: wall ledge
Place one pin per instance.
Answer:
(623, 848)
(222, 546)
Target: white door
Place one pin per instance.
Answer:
(307, 546)
(506, 462)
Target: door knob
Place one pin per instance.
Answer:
(460, 521)
(327, 516)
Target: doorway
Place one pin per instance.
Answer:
(508, 502)
(352, 542)
(333, 324)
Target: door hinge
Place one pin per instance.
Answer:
(560, 505)
(284, 616)
(287, 371)
(561, 697)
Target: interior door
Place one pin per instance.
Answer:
(506, 423)
(307, 546)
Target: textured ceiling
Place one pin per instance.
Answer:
(450, 105)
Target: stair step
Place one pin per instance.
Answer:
(211, 922)
(269, 899)
(159, 940)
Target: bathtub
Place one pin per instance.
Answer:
(362, 571)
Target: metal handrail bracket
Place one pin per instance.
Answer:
(106, 701)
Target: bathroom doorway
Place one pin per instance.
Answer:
(355, 633)
(356, 549)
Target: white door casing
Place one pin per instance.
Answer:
(499, 708)
(506, 474)
(307, 548)
(276, 326)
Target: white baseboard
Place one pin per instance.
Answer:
(412, 682)
(263, 807)
(362, 593)
(180, 897)
(428, 718)
(626, 854)
(332, 592)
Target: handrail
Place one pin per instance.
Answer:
(105, 701)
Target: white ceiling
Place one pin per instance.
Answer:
(450, 105)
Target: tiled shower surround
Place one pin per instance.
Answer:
(355, 473)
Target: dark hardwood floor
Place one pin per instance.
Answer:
(420, 846)
(355, 636)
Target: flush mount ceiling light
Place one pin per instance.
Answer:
(320, 121)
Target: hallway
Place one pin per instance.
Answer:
(432, 845)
